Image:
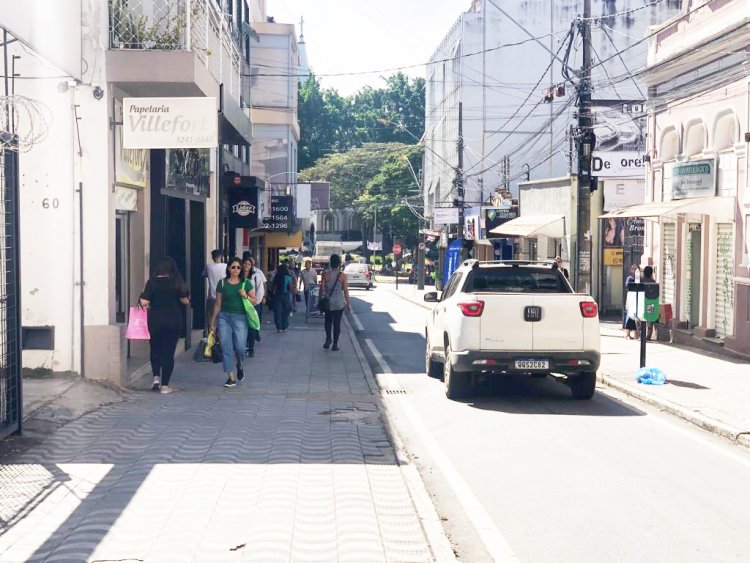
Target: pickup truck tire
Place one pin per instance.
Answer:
(582, 385)
(433, 368)
(457, 384)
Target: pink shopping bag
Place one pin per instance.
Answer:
(137, 324)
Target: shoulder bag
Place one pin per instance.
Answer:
(324, 303)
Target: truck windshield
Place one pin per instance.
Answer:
(516, 280)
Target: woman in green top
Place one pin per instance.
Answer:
(232, 322)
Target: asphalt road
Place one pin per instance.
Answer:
(534, 475)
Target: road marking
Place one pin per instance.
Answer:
(494, 541)
(357, 322)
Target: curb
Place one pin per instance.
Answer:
(732, 433)
(704, 422)
(432, 526)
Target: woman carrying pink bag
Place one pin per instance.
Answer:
(164, 295)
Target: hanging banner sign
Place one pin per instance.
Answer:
(452, 259)
(618, 164)
(282, 213)
(170, 123)
(243, 208)
(445, 215)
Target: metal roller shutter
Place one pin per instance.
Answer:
(724, 280)
(668, 253)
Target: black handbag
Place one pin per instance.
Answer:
(324, 303)
(216, 356)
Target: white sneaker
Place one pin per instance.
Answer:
(166, 390)
(156, 384)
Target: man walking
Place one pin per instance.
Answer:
(309, 279)
(215, 271)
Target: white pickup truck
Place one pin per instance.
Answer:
(495, 319)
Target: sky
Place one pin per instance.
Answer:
(351, 36)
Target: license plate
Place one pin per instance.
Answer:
(532, 364)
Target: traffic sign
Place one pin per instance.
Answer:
(397, 249)
(422, 246)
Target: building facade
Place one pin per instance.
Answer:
(699, 241)
(97, 211)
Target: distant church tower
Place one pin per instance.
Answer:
(304, 67)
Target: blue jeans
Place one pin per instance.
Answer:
(232, 329)
(282, 306)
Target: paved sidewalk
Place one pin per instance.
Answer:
(294, 464)
(706, 389)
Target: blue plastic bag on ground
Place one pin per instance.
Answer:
(651, 376)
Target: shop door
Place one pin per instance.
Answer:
(122, 266)
(694, 275)
(668, 253)
(198, 260)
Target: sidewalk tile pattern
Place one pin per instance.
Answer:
(292, 465)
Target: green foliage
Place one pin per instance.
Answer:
(331, 123)
(374, 176)
(361, 144)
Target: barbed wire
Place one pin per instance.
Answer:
(24, 122)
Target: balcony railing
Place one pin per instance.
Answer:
(179, 25)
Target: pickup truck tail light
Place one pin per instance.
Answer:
(589, 310)
(472, 308)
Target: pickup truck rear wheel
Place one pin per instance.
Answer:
(456, 383)
(432, 368)
(582, 385)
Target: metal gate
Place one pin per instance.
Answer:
(10, 322)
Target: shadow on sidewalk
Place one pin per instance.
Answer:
(299, 405)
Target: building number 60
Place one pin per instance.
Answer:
(54, 203)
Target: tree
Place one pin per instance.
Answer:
(376, 175)
(332, 123)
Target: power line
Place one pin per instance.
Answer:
(398, 68)
(623, 13)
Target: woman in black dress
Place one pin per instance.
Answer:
(164, 295)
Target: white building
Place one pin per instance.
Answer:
(495, 63)
(94, 215)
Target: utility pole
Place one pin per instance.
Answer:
(585, 145)
(460, 172)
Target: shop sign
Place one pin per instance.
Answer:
(495, 216)
(613, 256)
(131, 165)
(170, 123)
(472, 230)
(445, 216)
(618, 164)
(281, 215)
(243, 208)
(694, 179)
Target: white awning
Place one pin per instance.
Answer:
(552, 226)
(721, 208)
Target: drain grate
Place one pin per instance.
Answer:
(394, 391)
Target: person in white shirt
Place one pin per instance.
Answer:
(258, 279)
(214, 271)
(309, 278)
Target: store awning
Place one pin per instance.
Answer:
(552, 226)
(721, 208)
(283, 240)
